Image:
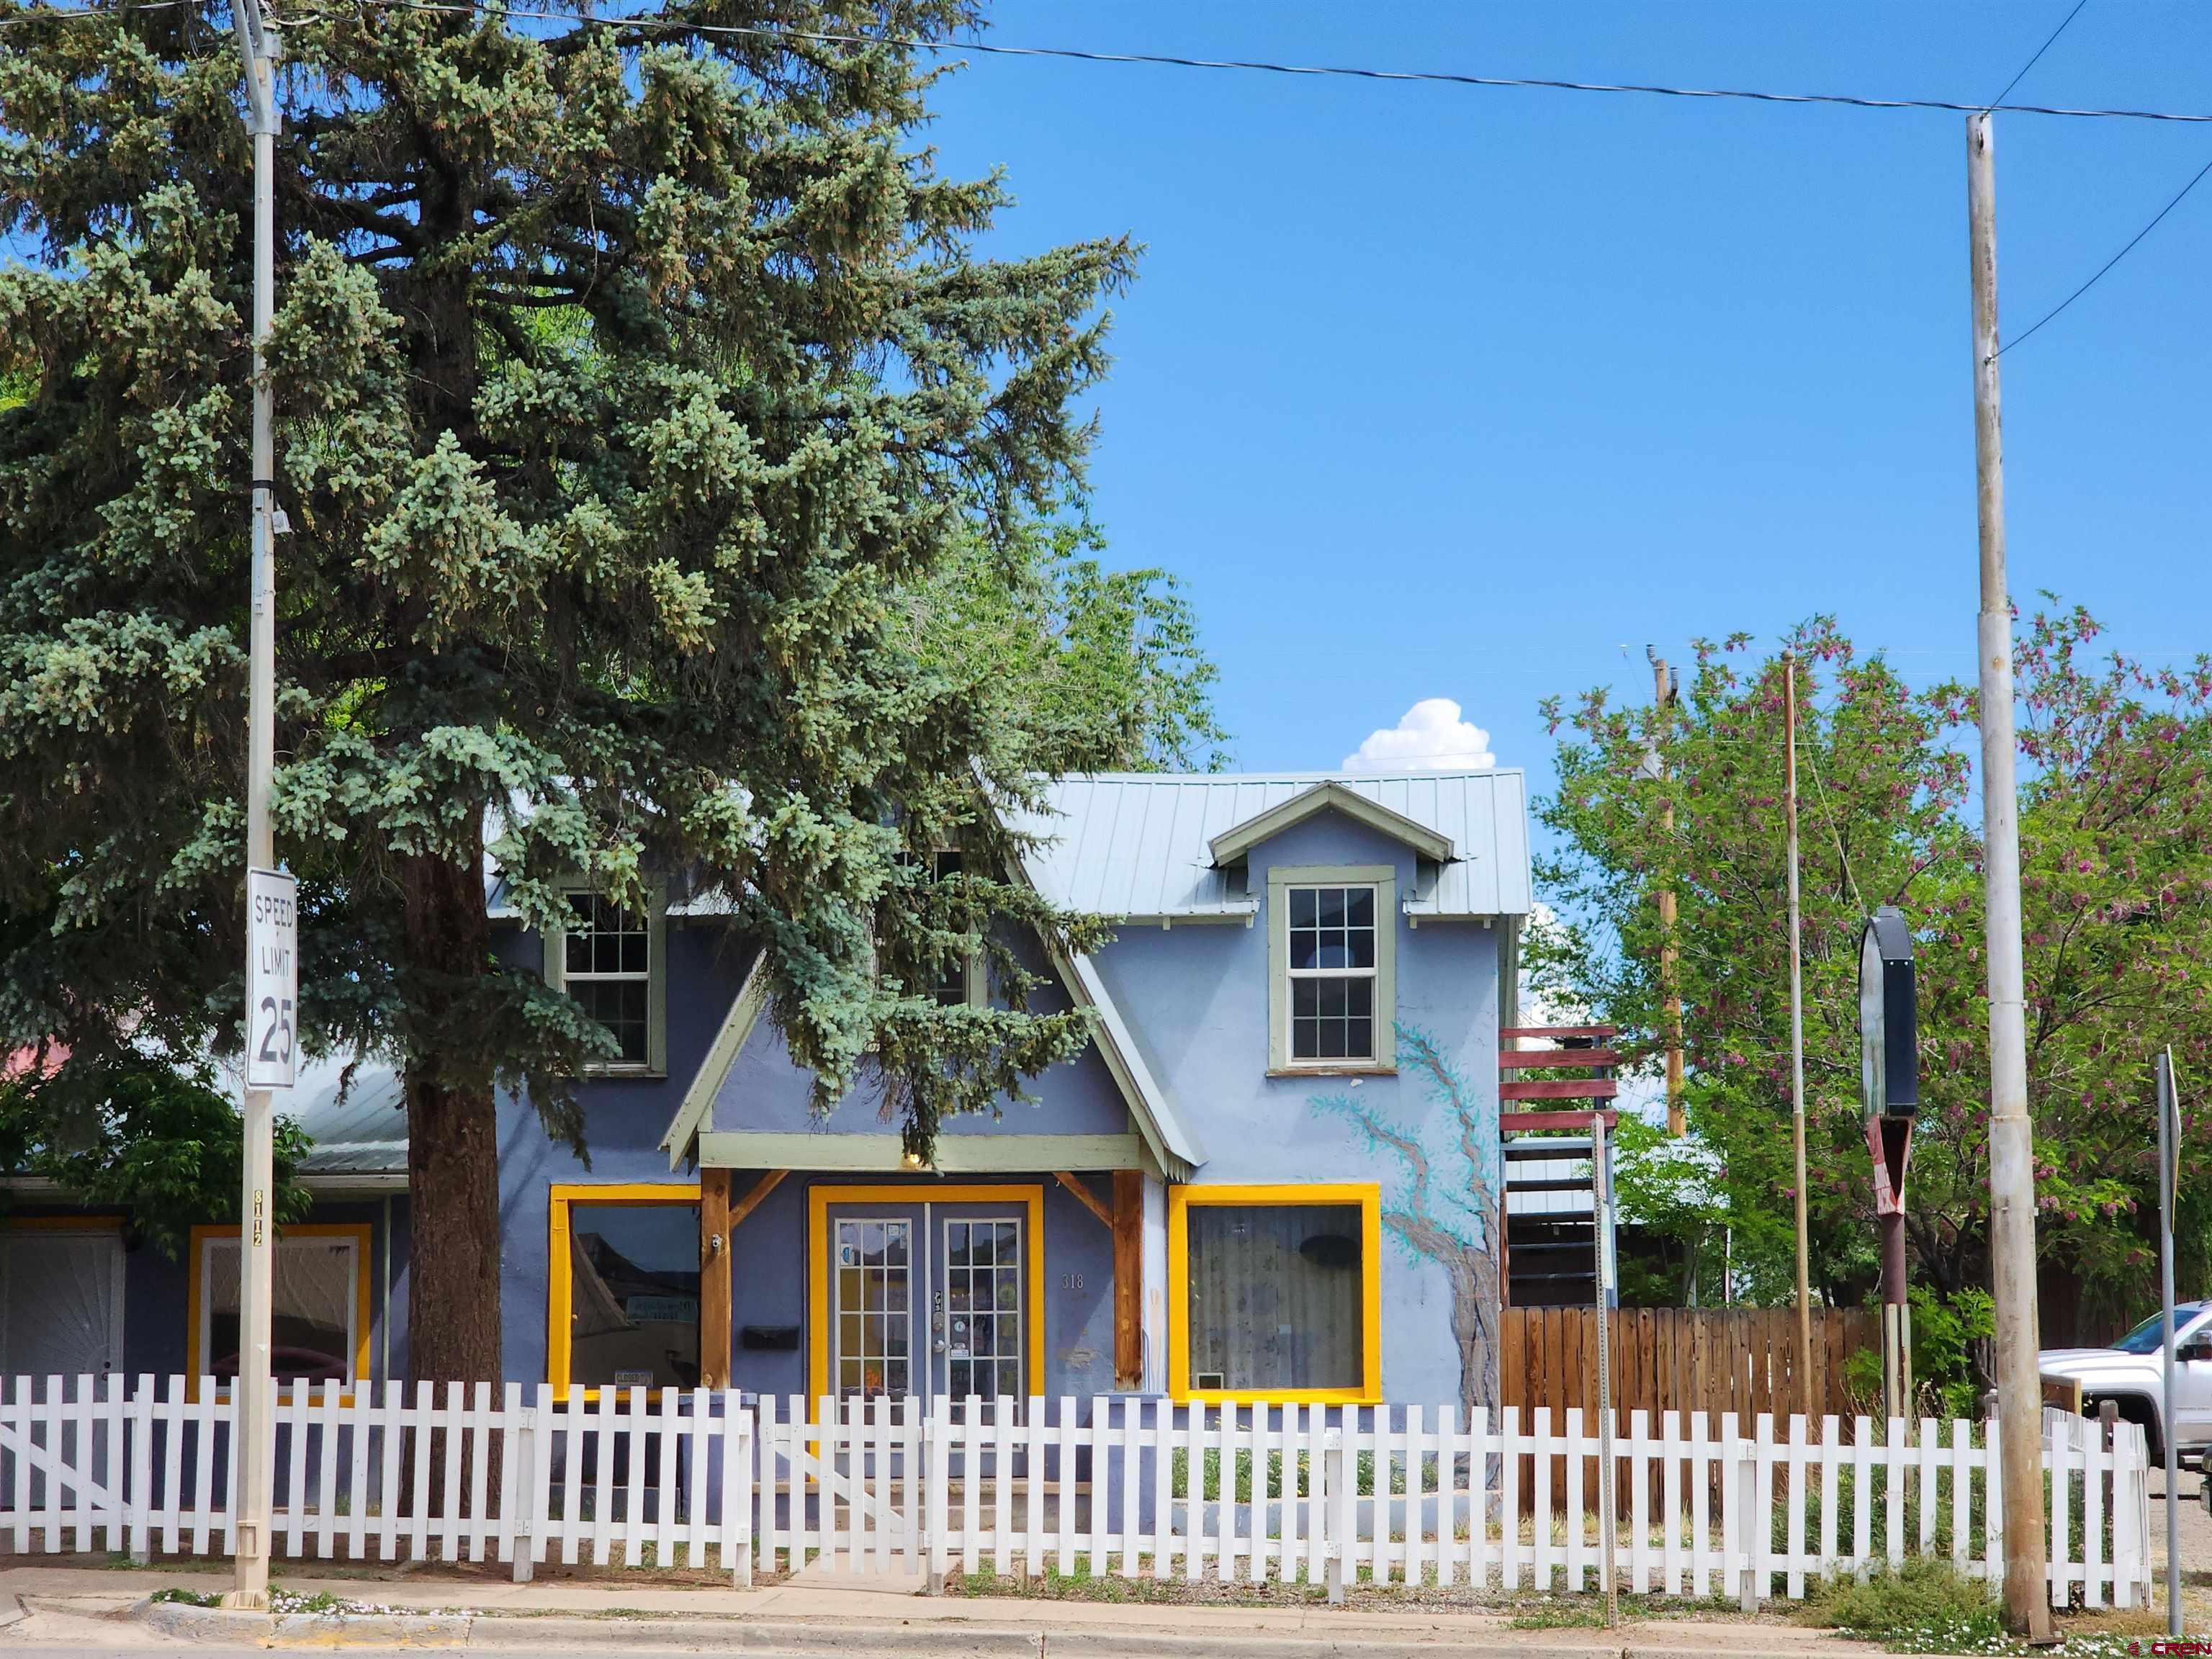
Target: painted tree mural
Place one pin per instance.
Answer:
(1444, 1207)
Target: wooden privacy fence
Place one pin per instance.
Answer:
(1681, 1359)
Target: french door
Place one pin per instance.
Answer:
(929, 1299)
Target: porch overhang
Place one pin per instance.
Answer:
(957, 1154)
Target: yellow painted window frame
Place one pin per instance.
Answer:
(818, 1201)
(1367, 1194)
(562, 1198)
(360, 1231)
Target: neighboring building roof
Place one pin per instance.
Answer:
(1142, 845)
(359, 1140)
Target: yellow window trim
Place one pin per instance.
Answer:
(359, 1231)
(559, 1287)
(818, 1201)
(1367, 1195)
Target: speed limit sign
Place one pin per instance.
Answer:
(272, 979)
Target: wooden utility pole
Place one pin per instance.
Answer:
(1663, 698)
(2011, 1164)
(1798, 1036)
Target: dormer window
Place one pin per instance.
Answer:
(1331, 937)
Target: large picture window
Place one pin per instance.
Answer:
(1274, 1292)
(610, 958)
(319, 1311)
(1331, 944)
(624, 1287)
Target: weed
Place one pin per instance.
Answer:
(188, 1597)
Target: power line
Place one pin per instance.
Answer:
(2040, 51)
(1251, 65)
(2022, 339)
(1262, 66)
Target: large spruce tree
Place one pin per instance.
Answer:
(630, 377)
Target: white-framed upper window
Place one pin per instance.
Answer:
(610, 958)
(958, 981)
(1332, 933)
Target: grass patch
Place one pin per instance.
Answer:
(1926, 1606)
(1584, 1612)
(1923, 1607)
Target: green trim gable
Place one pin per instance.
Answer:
(1233, 843)
(680, 1142)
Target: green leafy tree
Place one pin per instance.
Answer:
(629, 376)
(156, 1143)
(1099, 670)
(2116, 882)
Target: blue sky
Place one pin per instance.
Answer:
(1439, 392)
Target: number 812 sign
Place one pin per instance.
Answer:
(272, 979)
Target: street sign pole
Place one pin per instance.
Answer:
(2169, 1153)
(272, 951)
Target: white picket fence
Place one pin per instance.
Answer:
(146, 1471)
(1121, 1485)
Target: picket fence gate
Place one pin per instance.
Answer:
(1126, 1486)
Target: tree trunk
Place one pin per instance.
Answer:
(453, 1147)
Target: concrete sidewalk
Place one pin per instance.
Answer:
(76, 1607)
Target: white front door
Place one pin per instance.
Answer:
(61, 1301)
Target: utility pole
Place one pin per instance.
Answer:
(1797, 1040)
(253, 1393)
(2012, 1142)
(1662, 699)
(1602, 1209)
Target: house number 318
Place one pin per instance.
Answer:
(1071, 1281)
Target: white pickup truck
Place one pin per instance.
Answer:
(2130, 1375)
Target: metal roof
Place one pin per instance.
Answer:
(364, 1133)
(1136, 844)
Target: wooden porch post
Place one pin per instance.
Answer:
(1128, 1278)
(715, 1290)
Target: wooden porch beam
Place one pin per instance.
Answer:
(1084, 1197)
(1128, 1222)
(715, 1290)
(752, 1201)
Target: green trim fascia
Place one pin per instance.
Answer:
(881, 1152)
(1233, 842)
(714, 1068)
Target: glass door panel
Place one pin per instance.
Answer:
(984, 1352)
(872, 1283)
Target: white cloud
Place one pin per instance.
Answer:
(1430, 737)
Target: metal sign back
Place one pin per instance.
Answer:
(272, 979)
